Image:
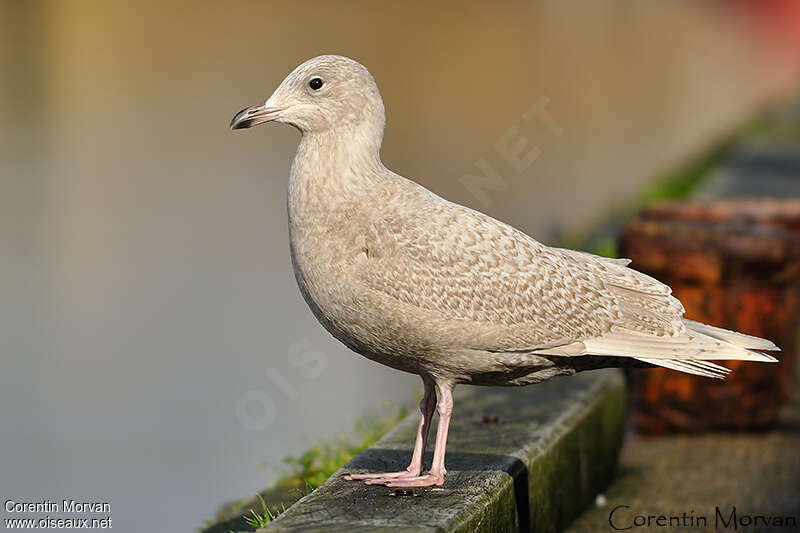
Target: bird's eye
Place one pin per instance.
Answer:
(315, 83)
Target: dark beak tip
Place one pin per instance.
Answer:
(253, 116)
(237, 123)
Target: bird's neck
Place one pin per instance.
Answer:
(334, 168)
(350, 146)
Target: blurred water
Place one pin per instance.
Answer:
(153, 339)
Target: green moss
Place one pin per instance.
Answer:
(315, 465)
(606, 246)
(680, 183)
(306, 471)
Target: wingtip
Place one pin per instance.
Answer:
(763, 357)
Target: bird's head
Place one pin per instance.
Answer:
(324, 93)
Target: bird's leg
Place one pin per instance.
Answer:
(435, 475)
(426, 406)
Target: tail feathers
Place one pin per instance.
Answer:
(732, 337)
(691, 345)
(689, 352)
(690, 366)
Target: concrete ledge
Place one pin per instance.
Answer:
(518, 459)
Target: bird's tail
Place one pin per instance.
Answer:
(745, 345)
(688, 352)
(733, 337)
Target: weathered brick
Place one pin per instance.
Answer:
(733, 264)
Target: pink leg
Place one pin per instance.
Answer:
(435, 475)
(426, 406)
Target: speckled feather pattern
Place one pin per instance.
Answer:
(427, 286)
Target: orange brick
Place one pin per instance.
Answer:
(731, 263)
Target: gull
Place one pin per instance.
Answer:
(426, 286)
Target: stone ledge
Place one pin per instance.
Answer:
(518, 459)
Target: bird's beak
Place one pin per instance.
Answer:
(254, 115)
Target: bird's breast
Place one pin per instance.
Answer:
(324, 244)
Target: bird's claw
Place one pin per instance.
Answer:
(404, 479)
(374, 476)
(428, 480)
